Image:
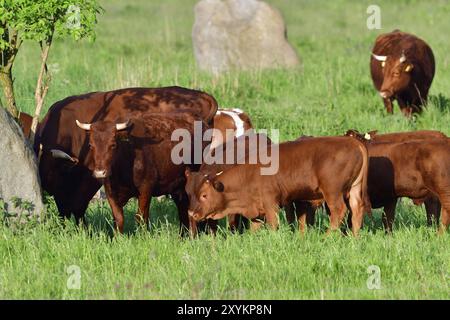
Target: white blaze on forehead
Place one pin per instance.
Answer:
(238, 123)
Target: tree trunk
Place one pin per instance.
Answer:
(41, 89)
(8, 91)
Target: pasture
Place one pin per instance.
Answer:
(148, 43)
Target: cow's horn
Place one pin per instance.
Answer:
(122, 126)
(219, 173)
(379, 58)
(59, 154)
(84, 126)
(402, 58)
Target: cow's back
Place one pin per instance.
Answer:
(59, 130)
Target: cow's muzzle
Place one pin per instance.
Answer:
(385, 94)
(100, 174)
(197, 217)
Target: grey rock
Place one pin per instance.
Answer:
(20, 189)
(240, 34)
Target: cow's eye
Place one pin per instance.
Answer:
(396, 73)
(113, 146)
(204, 196)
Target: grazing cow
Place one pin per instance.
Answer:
(195, 179)
(402, 68)
(133, 159)
(66, 158)
(330, 168)
(417, 169)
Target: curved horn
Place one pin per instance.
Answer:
(379, 58)
(219, 173)
(402, 58)
(59, 154)
(122, 126)
(84, 126)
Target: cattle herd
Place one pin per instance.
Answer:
(121, 139)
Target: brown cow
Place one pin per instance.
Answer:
(133, 159)
(415, 169)
(402, 68)
(329, 168)
(65, 159)
(195, 179)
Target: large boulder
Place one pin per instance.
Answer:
(20, 190)
(240, 34)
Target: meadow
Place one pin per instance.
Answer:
(148, 43)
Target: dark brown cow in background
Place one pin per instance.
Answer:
(66, 158)
(402, 68)
(407, 164)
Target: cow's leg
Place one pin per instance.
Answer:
(388, 105)
(233, 222)
(188, 226)
(116, 205)
(117, 211)
(305, 214)
(142, 215)
(255, 224)
(445, 220)
(211, 226)
(290, 214)
(337, 208)
(445, 212)
(433, 209)
(81, 203)
(389, 215)
(272, 219)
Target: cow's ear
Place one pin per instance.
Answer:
(219, 186)
(409, 67)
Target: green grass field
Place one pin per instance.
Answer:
(148, 43)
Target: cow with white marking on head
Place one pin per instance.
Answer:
(402, 68)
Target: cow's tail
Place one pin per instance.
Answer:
(363, 179)
(212, 107)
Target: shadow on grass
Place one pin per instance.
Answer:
(407, 216)
(162, 213)
(441, 102)
(164, 218)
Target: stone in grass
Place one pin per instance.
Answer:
(240, 34)
(20, 189)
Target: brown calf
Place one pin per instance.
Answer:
(330, 168)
